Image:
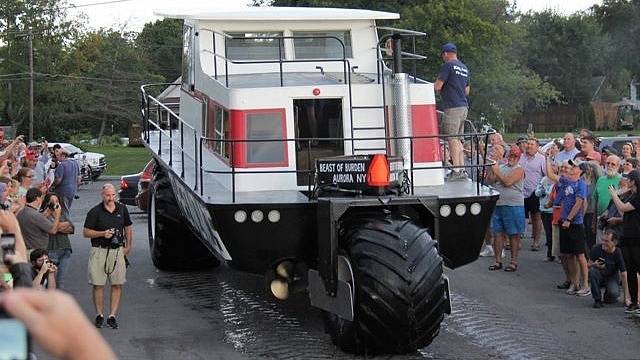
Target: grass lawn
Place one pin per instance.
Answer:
(122, 160)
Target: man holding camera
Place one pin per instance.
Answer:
(108, 225)
(606, 269)
(35, 226)
(44, 270)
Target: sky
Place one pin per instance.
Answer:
(133, 14)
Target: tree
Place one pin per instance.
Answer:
(161, 42)
(501, 86)
(108, 70)
(568, 51)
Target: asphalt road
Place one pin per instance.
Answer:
(223, 314)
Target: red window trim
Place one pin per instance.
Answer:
(239, 132)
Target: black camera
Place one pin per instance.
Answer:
(8, 243)
(52, 206)
(117, 240)
(56, 263)
(602, 222)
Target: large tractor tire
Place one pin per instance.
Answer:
(399, 291)
(172, 245)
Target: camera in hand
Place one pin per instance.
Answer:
(117, 240)
(52, 206)
(602, 222)
(8, 243)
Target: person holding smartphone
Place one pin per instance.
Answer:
(606, 268)
(630, 240)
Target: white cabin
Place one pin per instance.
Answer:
(293, 73)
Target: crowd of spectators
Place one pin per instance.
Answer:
(37, 187)
(583, 200)
(37, 184)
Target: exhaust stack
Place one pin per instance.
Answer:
(400, 124)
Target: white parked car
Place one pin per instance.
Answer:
(95, 161)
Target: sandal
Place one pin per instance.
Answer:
(496, 266)
(535, 247)
(511, 268)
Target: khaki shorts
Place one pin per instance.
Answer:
(453, 122)
(103, 266)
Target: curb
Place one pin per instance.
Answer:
(109, 177)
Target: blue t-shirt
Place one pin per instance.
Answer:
(68, 171)
(455, 76)
(568, 192)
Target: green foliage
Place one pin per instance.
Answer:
(161, 42)
(567, 51)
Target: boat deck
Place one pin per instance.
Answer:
(214, 192)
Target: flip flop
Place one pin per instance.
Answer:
(511, 268)
(496, 266)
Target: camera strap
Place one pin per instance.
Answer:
(115, 262)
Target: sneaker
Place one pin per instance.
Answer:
(549, 259)
(597, 304)
(99, 321)
(457, 176)
(565, 285)
(584, 292)
(111, 322)
(487, 251)
(572, 290)
(631, 309)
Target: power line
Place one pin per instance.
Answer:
(88, 78)
(79, 6)
(93, 4)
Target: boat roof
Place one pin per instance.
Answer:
(277, 14)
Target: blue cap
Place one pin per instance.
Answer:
(449, 47)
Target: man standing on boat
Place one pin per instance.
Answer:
(453, 86)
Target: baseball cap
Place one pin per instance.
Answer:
(574, 162)
(449, 47)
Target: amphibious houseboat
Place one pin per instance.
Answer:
(304, 153)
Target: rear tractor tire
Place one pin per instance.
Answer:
(173, 246)
(399, 291)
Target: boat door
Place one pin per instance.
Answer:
(316, 118)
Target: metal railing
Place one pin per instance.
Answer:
(280, 60)
(149, 125)
(479, 154)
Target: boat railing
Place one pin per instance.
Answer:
(153, 112)
(478, 153)
(281, 60)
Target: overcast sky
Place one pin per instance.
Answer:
(134, 13)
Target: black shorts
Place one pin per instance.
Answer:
(532, 204)
(572, 240)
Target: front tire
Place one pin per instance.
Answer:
(172, 244)
(400, 297)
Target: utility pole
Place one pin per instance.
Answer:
(30, 37)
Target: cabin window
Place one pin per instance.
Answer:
(265, 125)
(322, 48)
(187, 58)
(221, 131)
(218, 129)
(254, 46)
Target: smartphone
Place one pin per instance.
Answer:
(14, 338)
(8, 243)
